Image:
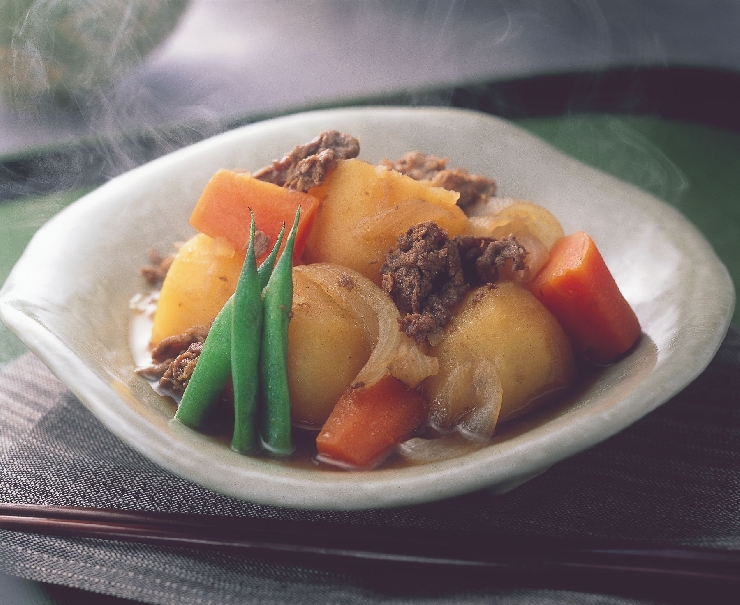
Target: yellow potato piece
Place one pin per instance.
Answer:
(199, 282)
(327, 347)
(367, 207)
(501, 352)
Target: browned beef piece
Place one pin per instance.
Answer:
(172, 346)
(482, 257)
(419, 166)
(157, 268)
(428, 273)
(261, 243)
(472, 188)
(181, 368)
(307, 165)
(425, 167)
(174, 358)
(424, 277)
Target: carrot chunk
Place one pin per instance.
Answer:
(367, 422)
(223, 210)
(579, 290)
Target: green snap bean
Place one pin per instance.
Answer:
(273, 367)
(212, 372)
(246, 335)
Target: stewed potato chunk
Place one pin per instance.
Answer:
(501, 352)
(365, 208)
(327, 348)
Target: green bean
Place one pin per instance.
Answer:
(211, 372)
(273, 366)
(246, 334)
(213, 369)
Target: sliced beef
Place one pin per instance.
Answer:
(174, 358)
(420, 166)
(473, 188)
(156, 270)
(180, 369)
(482, 257)
(307, 165)
(172, 346)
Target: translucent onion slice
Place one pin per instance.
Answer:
(479, 385)
(500, 217)
(481, 420)
(419, 450)
(489, 207)
(394, 352)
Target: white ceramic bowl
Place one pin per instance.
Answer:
(68, 300)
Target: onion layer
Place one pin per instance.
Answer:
(480, 381)
(393, 352)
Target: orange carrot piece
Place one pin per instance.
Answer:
(368, 421)
(223, 210)
(580, 291)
